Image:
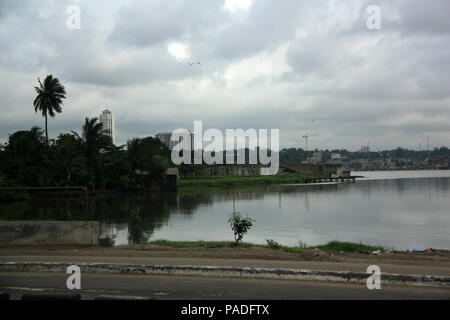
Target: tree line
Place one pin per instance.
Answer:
(89, 160)
(293, 156)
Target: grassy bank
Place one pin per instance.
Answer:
(239, 181)
(330, 247)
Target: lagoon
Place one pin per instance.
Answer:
(395, 209)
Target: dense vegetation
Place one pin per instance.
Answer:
(90, 161)
(294, 156)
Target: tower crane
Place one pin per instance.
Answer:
(306, 136)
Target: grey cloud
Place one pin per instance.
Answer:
(429, 17)
(146, 23)
(356, 84)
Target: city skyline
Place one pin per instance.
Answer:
(427, 144)
(303, 68)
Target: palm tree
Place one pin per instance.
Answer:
(49, 98)
(94, 138)
(133, 151)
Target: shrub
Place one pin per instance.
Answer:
(273, 244)
(239, 225)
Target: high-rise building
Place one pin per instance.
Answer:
(107, 121)
(166, 138)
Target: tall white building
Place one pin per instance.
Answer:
(108, 124)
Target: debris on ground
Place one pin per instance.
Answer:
(317, 252)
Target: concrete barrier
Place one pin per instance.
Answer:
(49, 233)
(230, 272)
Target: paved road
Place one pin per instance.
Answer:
(183, 287)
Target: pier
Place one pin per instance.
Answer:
(332, 179)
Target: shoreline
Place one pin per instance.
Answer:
(330, 248)
(185, 184)
(214, 182)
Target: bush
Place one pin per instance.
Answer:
(273, 244)
(239, 225)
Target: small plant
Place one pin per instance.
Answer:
(273, 244)
(239, 225)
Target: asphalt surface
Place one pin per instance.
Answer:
(203, 288)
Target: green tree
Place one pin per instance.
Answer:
(27, 158)
(116, 171)
(147, 158)
(239, 225)
(134, 152)
(49, 99)
(70, 164)
(93, 140)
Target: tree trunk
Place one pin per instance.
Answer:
(46, 131)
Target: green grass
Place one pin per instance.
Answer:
(337, 246)
(330, 247)
(238, 181)
(200, 244)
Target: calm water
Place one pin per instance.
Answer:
(400, 209)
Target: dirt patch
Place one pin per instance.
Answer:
(437, 258)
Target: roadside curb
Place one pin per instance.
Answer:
(233, 272)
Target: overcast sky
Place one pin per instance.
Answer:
(298, 66)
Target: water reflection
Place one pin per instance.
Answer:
(403, 213)
(139, 216)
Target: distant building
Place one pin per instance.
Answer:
(315, 159)
(365, 149)
(329, 170)
(166, 139)
(336, 156)
(108, 124)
